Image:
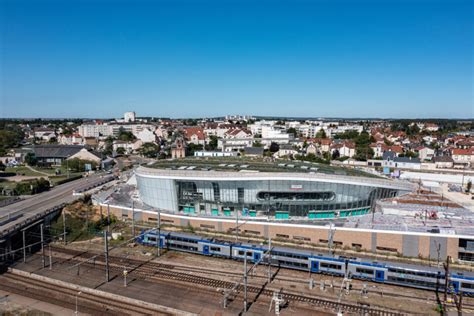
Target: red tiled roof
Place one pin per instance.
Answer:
(460, 151)
(190, 131)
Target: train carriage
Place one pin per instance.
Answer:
(463, 284)
(400, 274)
(290, 258)
(328, 265)
(252, 252)
(367, 270)
(150, 238)
(183, 242)
(414, 276)
(215, 248)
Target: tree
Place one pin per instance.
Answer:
(363, 150)
(292, 130)
(30, 159)
(274, 147)
(120, 151)
(321, 134)
(469, 186)
(335, 154)
(10, 138)
(78, 165)
(410, 154)
(257, 144)
(191, 148)
(212, 142)
(2, 166)
(149, 150)
(351, 134)
(125, 136)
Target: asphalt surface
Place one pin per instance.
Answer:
(44, 201)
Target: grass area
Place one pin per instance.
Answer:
(5, 184)
(24, 171)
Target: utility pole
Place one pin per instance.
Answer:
(50, 258)
(331, 232)
(245, 282)
(24, 246)
(42, 246)
(269, 260)
(125, 272)
(158, 224)
(446, 283)
(237, 225)
(108, 217)
(106, 252)
(133, 219)
(64, 226)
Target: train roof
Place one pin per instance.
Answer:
(293, 250)
(188, 235)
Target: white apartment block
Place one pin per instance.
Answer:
(95, 130)
(129, 117)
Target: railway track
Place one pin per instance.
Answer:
(65, 297)
(159, 272)
(187, 269)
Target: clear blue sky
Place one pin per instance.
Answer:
(206, 58)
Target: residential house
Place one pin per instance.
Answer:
(462, 157)
(73, 139)
(146, 136)
(425, 153)
(285, 151)
(392, 161)
(345, 149)
(312, 149)
(238, 133)
(431, 127)
(195, 135)
(444, 162)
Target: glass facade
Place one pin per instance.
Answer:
(298, 197)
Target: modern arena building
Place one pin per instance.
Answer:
(278, 195)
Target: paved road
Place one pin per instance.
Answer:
(46, 200)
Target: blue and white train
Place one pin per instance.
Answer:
(401, 274)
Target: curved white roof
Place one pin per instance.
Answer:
(259, 176)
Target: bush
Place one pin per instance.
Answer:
(62, 181)
(32, 187)
(78, 165)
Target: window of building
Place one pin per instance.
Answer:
(217, 191)
(387, 249)
(252, 232)
(301, 238)
(240, 194)
(292, 196)
(207, 226)
(282, 236)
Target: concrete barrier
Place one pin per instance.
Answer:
(103, 294)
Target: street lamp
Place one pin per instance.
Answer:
(67, 165)
(78, 293)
